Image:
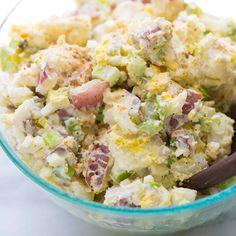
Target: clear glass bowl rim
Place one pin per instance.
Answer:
(201, 203)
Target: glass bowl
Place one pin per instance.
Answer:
(157, 221)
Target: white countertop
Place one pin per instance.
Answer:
(26, 211)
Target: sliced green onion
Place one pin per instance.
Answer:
(52, 139)
(171, 160)
(74, 128)
(173, 143)
(72, 125)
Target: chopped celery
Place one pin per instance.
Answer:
(9, 60)
(52, 139)
(192, 48)
(57, 172)
(41, 123)
(151, 127)
(16, 42)
(161, 110)
(155, 185)
(100, 115)
(114, 50)
(208, 121)
(107, 73)
(61, 174)
(134, 119)
(70, 170)
(150, 109)
(123, 176)
(136, 67)
(11, 56)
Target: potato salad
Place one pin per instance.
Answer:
(120, 101)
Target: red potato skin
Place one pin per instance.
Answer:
(43, 75)
(176, 121)
(125, 203)
(90, 97)
(96, 167)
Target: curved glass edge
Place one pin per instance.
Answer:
(9, 13)
(13, 156)
(204, 202)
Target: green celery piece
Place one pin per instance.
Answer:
(173, 143)
(151, 127)
(204, 93)
(9, 60)
(161, 111)
(41, 122)
(107, 73)
(123, 176)
(51, 139)
(134, 119)
(136, 67)
(70, 171)
(208, 121)
(100, 115)
(59, 173)
(155, 185)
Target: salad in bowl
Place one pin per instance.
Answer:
(119, 102)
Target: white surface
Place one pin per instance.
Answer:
(26, 211)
